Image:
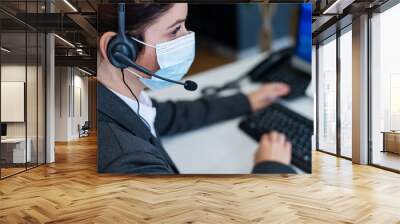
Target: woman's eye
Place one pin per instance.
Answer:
(176, 30)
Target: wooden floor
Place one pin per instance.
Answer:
(10, 171)
(388, 159)
(71, 191)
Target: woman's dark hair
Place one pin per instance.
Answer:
(138, 17)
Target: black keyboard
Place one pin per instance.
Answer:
(297, 80)
(297, 129)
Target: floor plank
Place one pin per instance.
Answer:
(71, 191)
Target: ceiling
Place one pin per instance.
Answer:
(337, 14)
(74, 21)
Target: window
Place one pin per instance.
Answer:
(345, 92)
(385, 89)
(327, 96)
(15, 146)
(22, 69)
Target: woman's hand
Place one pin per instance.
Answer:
(273, 147)
(267, 94)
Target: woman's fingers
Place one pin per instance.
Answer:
(280, 89)
(288, 146)
(267, 94)
(266, 139)
(274, 147)
(277, 137)
(281, 139)
(274, 136)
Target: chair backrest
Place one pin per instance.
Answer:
(86, 125)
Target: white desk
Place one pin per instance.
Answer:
(18, 153)
(221, 148)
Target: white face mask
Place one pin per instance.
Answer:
(174, 58)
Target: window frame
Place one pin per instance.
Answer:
(340, 30)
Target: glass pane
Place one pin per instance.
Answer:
(385, 84)
(13, 87)
(32, 88)
(346, 94)
(31, 98)
(313, 74)
(327, 97)
(41, 98)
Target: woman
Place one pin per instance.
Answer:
(130, 123)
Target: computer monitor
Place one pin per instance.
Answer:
(3, 129)
(304, 34)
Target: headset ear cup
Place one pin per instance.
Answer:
(123, 45)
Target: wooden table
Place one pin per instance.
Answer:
(391, 141)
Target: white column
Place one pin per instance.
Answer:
(50, 110)
(62, 103)
(50, 93)
(360, 90)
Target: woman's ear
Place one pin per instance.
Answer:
(104, 40)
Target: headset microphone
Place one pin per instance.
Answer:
(188, 85)
(122, 52)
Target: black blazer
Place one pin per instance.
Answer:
(126, 145)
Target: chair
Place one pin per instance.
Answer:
(84, 130)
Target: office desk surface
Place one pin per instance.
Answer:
(13, 140)
(221, 148)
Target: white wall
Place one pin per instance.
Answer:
(61, 103)
(13, 101)
(79, 117)
(12, 73)
(70, 83)
(33, 126)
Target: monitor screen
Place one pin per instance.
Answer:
(3, 129)
(304, 38)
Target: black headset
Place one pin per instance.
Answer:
(121, 43)
(122, 52)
